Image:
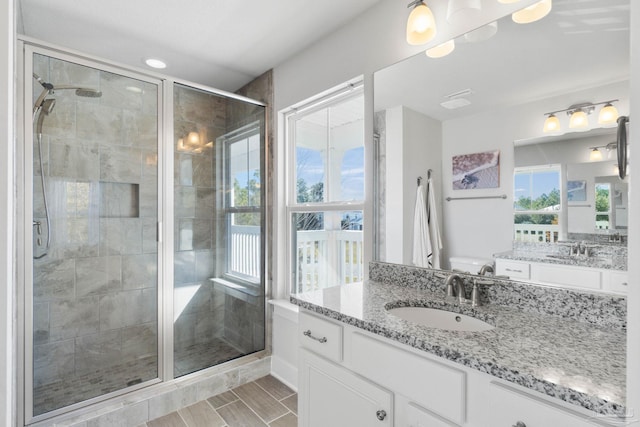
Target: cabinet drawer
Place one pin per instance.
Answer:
(566, 275)
(320, 336)
(508, 406)
(513, 269)
(432, 385)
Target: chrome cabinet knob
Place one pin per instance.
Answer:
(382, 414)
(519, 424)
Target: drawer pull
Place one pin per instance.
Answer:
(382, 414)
(307, 333)
(515, 271)
(520, 424)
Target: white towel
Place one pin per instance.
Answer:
(435, 242)
(421, 241)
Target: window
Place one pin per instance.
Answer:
(325, 194)
(243, 182)
(537, 204)
(603, 206)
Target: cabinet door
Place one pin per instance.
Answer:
(330, 395)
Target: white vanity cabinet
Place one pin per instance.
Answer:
(570, 276)
(352, 378)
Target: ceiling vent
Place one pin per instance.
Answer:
(457, 99)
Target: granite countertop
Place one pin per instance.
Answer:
(612, 262)
(575, 361)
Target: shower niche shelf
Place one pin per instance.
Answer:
(119, 200)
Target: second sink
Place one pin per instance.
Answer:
(440, 319)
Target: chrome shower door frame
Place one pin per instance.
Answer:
(24, 217)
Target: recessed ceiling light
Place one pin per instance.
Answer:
(155, 63)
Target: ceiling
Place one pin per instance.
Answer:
(220, 43)
(581, 44)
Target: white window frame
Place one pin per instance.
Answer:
(287, 184)
(562, 184)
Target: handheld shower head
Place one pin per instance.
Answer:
(88, 92)
(45, 110)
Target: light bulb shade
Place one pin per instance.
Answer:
(421, 25)
(595, 155)
(483, 33)
(532, 13)
(552, 124)
(578, 120)
(608, 115)
(193, 138)
(441, 50)
(463, 10)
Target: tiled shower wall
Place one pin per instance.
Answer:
(95, 292)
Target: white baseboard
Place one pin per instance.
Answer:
(285, 372)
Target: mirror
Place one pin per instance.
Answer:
(483, 97)
(583, 179)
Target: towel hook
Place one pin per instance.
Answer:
(419, 180)
(429, 174)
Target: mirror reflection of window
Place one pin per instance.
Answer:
(603, 206)
(537, 204)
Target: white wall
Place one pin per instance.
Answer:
(7, 108)
(480, 228)
(414, 145)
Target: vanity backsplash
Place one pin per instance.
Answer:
(599, 309)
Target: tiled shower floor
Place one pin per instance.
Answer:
(265, 402)
(74, 389)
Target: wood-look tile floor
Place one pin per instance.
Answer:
(265, 402)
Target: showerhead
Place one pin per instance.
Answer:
(88, 92)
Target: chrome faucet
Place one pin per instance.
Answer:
(487, 268)
(455, 287)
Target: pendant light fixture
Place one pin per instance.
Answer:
(421, 25)
(532, 13)
(441, 50)
(608, 114)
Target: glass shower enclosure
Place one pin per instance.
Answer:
(113, 161)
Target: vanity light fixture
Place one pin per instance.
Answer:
(551, 124)
(579, 118)
(578, 114)
(595, 155)
(463, 10)
(532, 13)
(608, 114)
(421, 25)
(441, 50)
(483, 33)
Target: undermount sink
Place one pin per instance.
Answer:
(440, 319)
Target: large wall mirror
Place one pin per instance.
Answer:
(492, 96)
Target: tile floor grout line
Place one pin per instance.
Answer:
(282, 416)
(276, 399)
(252, 410)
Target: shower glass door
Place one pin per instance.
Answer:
(92, 304)
(219, 311)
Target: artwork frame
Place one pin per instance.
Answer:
(576, 190)
(476, 170)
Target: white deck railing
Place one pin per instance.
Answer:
(536, 233)
(245, 250)
(324, 258)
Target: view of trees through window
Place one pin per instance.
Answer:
(603, 205)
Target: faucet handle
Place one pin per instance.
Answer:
(475, 294)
